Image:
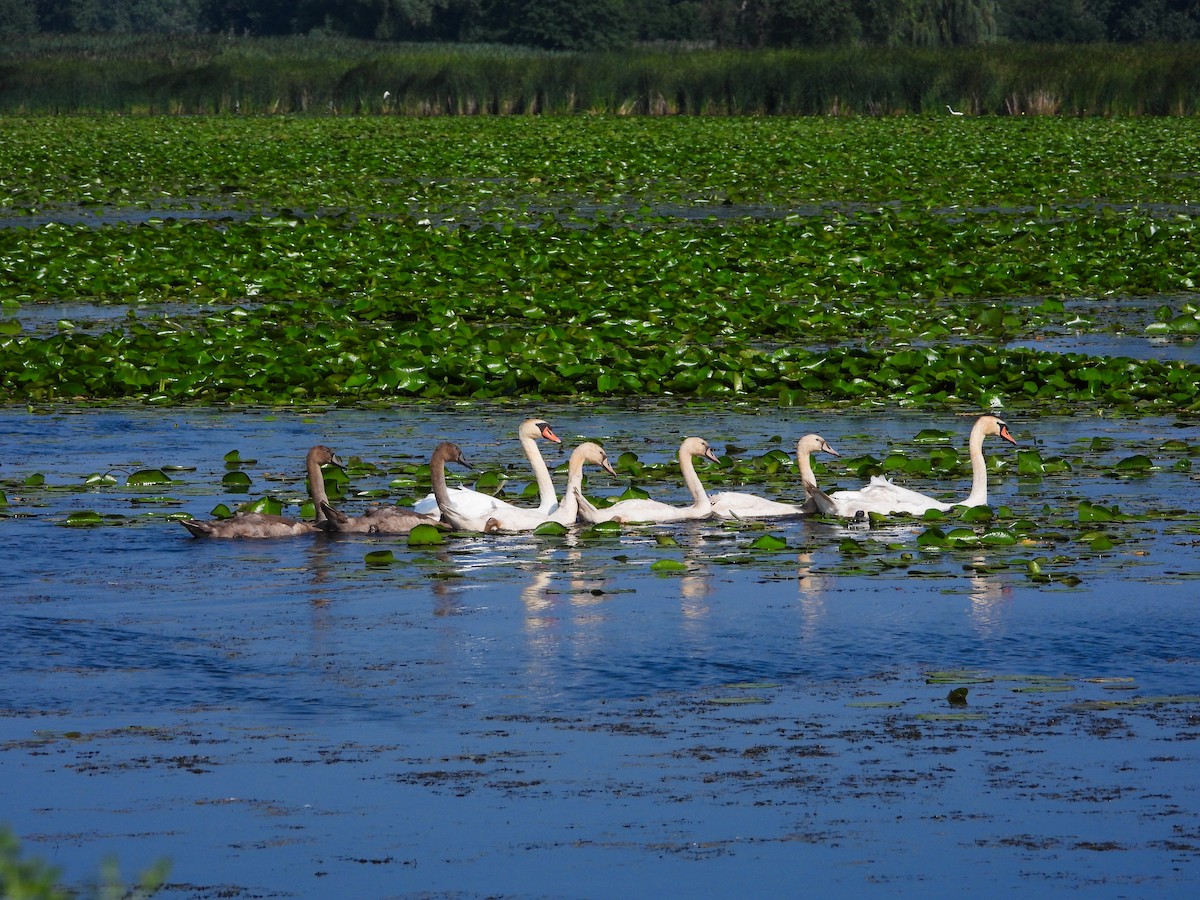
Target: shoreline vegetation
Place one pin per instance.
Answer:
(220, 74)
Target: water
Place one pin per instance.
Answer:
(521, 716)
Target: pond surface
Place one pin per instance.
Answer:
(549, 717)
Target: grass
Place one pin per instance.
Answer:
(321, 76)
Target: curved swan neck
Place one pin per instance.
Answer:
(687, 466)
(541, 472)
(316, 485)
(437, 475)
(979, 478)
(804, 461)
(568, 509)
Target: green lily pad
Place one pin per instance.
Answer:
(425, 535)
(551, 529)
(768, 542)
(84, 518)
(380, 557)
(236, 480)
(668, 565)
(148, 476)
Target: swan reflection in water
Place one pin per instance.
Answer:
(989, 595)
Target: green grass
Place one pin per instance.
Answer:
(321, 76)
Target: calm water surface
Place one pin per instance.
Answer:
(522, 716)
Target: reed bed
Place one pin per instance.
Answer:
(214, 74)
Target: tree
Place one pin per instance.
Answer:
(18, 18)
(557, 24)
(1050, 21)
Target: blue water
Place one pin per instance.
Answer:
(522, 716)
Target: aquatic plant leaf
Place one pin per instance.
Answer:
(1094, 512)
(1029, 462)
(221, 511)
(634, 493)
(236, 480)
(102, 480)
(768, 542)
(668, 565)
(425, 535)
(1137, 463)
(268, 505)
(665, 540)
(379, 558)
(148, 476)
(551, 529)
(83, 519)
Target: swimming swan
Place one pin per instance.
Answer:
(738, 505)
(265, 525)
(468, 501)
(654, 511)
(529, 519)
(882, 496)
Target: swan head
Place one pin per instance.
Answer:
(994, 425)
(323, 456)
(594, 454)
(695, 446)
(448, 451)
(538, 428)
(814, 443)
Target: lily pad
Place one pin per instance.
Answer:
(148, 476)
(425, 535)
(380, 557)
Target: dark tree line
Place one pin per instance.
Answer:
(615, 24)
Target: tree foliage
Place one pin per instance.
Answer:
(577, 25)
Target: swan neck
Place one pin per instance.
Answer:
(979, 485)
(541, 472)
(568, 509)
(316, 486)
(687, 466)
(437, 475)
(804, 461)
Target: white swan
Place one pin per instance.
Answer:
(738, 505)
(654, 511)
(882, 496)
(529, 519)
(476, 503)
(265, 525)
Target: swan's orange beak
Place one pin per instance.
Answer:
(548, 434)
(1007, 435)
(607, 466)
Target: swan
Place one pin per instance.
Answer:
(264, 525)
(377, 520)
(654, 511)
(458, 519)
(476, 503)
(738, 505)
(882, 496)
(529, 519)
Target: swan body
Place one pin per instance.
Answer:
(567, 511)
(468, 501)
(378, 520)
(265, 525)
(655, 511)
(881, 495)
(738, 505)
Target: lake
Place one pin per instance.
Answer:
(531, 716)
